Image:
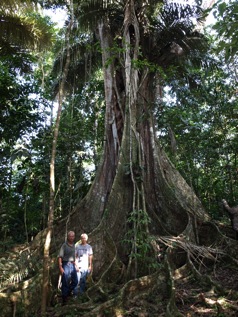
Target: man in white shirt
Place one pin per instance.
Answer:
(84, 258)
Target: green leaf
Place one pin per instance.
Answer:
(222, 8)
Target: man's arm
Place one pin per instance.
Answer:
(60, 265)
(60, 256)
(232, 211)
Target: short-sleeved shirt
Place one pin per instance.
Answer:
(67, 252)
(83, 251)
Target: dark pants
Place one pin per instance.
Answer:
(69, 280)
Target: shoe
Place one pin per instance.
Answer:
(64, 301)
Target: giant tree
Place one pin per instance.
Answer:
(139, 42)
(138, 196)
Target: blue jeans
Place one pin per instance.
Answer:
(82, 278)
(69, 280)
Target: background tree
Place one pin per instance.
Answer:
(226, 27)
(22, 32)
(19, 120)
(202, 122)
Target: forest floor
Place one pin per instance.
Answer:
(195, 300)
(192, 299)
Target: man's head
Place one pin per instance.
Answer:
(84, 238)
(71, 236)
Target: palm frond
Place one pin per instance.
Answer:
(25, 29)
(90, 12)
(13, 6)
(173, 36)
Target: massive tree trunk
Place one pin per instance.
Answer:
(137, 192)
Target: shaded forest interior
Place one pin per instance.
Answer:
(121, 123)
